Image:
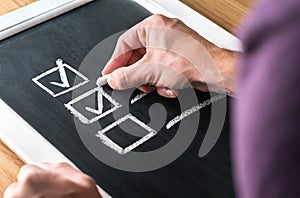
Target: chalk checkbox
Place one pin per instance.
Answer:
(98, 112)
(113, 145)
(63, 83)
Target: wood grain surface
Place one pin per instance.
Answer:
(226, 13)
(9, 167)
(9, 5)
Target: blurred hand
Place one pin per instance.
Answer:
(52, 180)
(165, 53)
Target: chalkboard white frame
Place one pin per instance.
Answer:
(34, 14)
(27, 143)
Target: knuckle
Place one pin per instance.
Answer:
(158, 16)
(174, 22)
(27, 171)
(122, 38)
(87, 181)
(29, 177)
(25, 168)
(124, 82)
(121, 42)
(159, 19)
(45, 163)
(125, 37)
(62, 165)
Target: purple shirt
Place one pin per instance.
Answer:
(266, 140)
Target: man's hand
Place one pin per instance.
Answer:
(165, 53)
(52, 180)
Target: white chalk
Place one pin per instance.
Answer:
(140, 96)
(63, 75)
(61, 69)
(102, 80)
(194, 109)
(100, 114)
(111, 144)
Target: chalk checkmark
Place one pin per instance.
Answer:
(63, 76)
(99, 109)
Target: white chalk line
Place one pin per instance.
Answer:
(194, 109)
(101, 93)
(100, 101)
(100, 107)
(140, 96)
(63, 75)
(84, 119)
(94, 111)
(37, 78)
(111, 144)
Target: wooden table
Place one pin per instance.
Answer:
(226, 13)
(9, 5)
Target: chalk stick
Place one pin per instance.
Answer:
(102, 80)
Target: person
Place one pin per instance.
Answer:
(266, 112)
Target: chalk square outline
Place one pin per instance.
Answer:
(111, 144)
(50, 71)
(84, 119)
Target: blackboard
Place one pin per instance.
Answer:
(70, 37)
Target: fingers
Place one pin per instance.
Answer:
(145, 55)
(132, 44)
(162, 70)
(68, 172)
(28, 173)
(135, 75)
(29, 179)
(32, 173)
(129, 49)
(165, 92)
(63, 169)
(10, 191)
(56, 166)
(121, 60)
(145, 88)
(201, 86)
(55, 180)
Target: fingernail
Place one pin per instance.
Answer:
(170, 93)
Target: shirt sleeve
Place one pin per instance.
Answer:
(266, 115)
